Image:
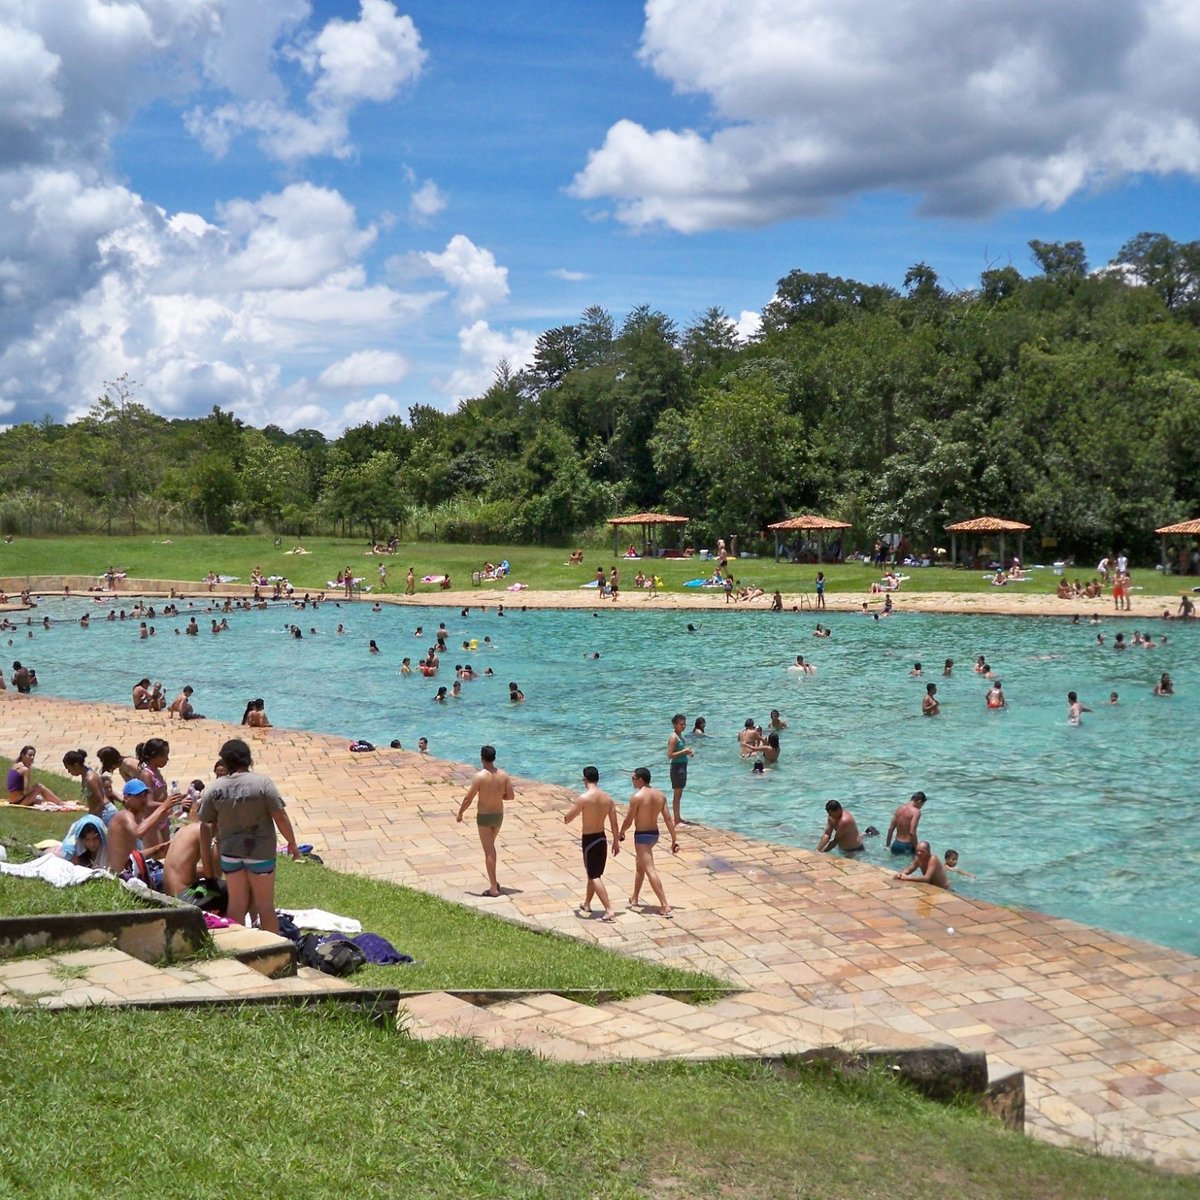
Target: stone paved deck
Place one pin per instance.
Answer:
(1106, 1028)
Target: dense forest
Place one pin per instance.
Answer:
(1068, 398)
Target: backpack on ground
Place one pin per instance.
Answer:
(333, 955)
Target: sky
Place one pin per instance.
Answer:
(316, 213)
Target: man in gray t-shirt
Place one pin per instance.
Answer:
(244, 810)
(241, 806)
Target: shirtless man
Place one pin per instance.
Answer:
(184, 858)
(804, 667)
(902, 832)
(597, 807)
(930, 704)
(841, 830)
(933, 870)
(137, 819)
(750, 741)
(492, 787)
(181, 706)
(678, 753)
(1075, 710)
(646, 805)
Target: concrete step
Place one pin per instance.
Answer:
(437, 1014)
(268, 953)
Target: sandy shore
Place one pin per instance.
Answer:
(996, 601)
(999, 602)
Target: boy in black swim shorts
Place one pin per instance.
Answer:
(597, 807)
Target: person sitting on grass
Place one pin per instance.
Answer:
(90, 785)
(128, 829)
(21, 788)
(184, 860)
(86, 843)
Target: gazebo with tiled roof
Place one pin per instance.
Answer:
(807, 523)
(647, 521)
(1183, 529)
(981, 525)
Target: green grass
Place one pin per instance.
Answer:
(543, 568)
(19, 829)
(318, 1104)
(455, 946)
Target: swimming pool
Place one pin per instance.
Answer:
(1092, 822)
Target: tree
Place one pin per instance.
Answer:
(998, 283)
(710, 343)
(921, 282)
(821, 299)
(214, 488)
(749, 454)
(127, 469)
(1063, 262)
(1170, 268)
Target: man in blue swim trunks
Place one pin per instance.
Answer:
(646, 805)
(902, 832)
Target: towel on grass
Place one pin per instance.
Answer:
(324, 922)
(55, 871)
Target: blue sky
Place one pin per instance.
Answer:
(319, 213)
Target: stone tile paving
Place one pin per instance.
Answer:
(1106, 1028)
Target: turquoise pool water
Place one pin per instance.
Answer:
(1095, 822)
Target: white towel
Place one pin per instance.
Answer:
(324, 922)
(53, 870)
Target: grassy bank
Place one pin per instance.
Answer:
(541, 567)
(454, 946)
(315, 1104)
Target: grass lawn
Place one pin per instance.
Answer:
(316, 1103)
(455, 947)
(541, 567)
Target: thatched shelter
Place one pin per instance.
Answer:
(648, 521)
(1184, 529)
(807, 524)
(985, 525)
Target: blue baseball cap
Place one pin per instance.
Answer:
(135, 787)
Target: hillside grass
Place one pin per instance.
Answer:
(189, 559)
(321, 1103)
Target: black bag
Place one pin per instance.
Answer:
(333, 955)
(211, 895)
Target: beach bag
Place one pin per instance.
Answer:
(332, 955)
(208, 895)
(361, 747)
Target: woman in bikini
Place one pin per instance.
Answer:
(22, 789)
(91, 786)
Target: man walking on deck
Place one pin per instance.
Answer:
(491, 787)
(597, 808)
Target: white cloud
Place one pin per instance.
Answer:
(246, 306)
(426, 202)
(473, 272)
(971, 108)
(483, 349)
(364, 368)
(349, 62)
(28, 86)
(569, 276)
(374, 408)
(748, 325)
